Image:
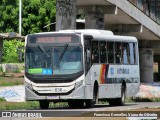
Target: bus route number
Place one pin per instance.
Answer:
(58, 90)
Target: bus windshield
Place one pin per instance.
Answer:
(53, 54)
(57, 60)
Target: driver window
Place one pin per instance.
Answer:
(95, 52)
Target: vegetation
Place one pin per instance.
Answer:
(11, 81)
(18, 105)
(2, 99)
(35, 15)
(26, 105)
(138, 99)
(10, 53)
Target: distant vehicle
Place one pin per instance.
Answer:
(81, 67)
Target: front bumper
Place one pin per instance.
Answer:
(78, 93)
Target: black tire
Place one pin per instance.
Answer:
(44, 104)
(123, 96)
(119, 101)
(76, 104)
(112, 102)
(122, 99)
(91, 103)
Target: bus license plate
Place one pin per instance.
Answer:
(53, 97)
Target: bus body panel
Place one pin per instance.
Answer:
(108, 76)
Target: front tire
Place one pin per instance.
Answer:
(76, 104)
(91, 103)
(44, 104)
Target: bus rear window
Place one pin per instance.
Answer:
(48, 38)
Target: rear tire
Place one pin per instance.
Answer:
(44, 104)
(121, 101)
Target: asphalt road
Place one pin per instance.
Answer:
(105, 107)
(66, 111)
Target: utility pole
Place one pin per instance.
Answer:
(20, 17)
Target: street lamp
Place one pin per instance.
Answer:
(20, 17)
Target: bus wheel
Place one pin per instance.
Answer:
(112, 102)
(121, 101)
(44, 104)
(76, 104)
(123, 96)
(92, 102)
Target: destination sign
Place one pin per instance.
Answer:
(54, 39)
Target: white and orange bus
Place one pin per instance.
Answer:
(80, 67)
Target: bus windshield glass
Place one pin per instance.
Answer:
(51, 59)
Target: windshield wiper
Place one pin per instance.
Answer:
(43, 50)
(63, 51)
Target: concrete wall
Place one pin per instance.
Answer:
(94, 21)
(146, 65)
(13, 93)
(137, 14)
(65, 14)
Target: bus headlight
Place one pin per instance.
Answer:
(28, 85)
(78, 84)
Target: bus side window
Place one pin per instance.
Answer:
(135, 53)
(103, 55)
(125, 53)
(118, 51)
(132, 53)
(95, 52)
(110, 49)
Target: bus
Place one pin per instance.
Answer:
(81, 67)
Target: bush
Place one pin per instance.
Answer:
(2, 99)
(10, 53)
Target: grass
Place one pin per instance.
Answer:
(27, 105)
(11, 81)
(4, 105)
(138, 99)
(18, 105)
(135, 99)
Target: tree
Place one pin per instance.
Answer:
(35, 15)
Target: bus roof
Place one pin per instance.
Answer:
(97, 34)
(89, 31)
(101, 35)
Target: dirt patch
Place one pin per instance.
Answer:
(10, 79)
